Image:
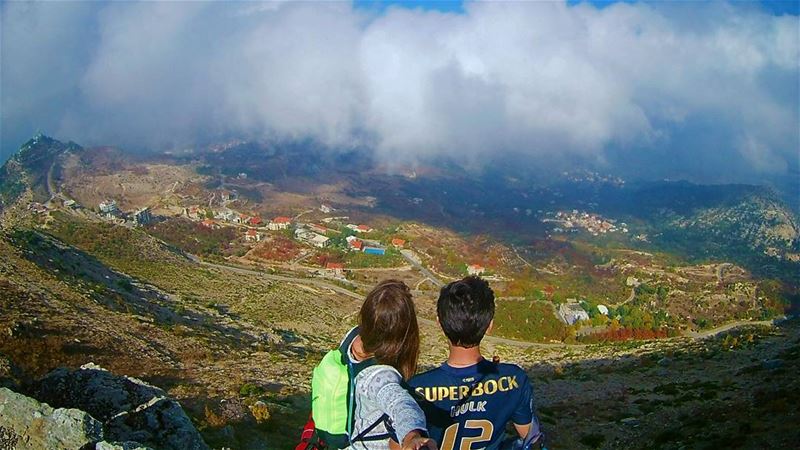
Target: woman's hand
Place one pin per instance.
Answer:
(415, 441)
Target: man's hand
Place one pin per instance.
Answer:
(415, 441)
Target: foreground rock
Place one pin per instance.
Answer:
(28, 424)
(131, 410)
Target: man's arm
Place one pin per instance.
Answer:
(522, 430)
(524, 419)
(414, 440)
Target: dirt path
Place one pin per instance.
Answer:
(727, 327)
(630, 298)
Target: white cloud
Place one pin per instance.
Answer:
(540, 78)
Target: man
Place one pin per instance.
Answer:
(468, 400)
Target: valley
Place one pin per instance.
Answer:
(223, 274)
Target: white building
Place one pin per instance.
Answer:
(475, 269)
(571, 312)
(227, 215)
(109, 207)
(279, 223)
(311, 238)
(603, 309)
(359, 228)
(318, 240)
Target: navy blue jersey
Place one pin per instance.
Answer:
(468, 408)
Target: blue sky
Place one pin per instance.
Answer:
(774, 6)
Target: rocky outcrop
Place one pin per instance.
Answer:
(8, 373)
(120, 446)
(133, 413)
(28, 424)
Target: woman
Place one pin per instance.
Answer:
(384, 354)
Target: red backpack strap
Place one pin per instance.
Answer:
(308, 439)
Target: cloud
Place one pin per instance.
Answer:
(660, 89)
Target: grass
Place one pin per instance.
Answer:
(528, 320)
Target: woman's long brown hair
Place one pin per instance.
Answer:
(388, 326)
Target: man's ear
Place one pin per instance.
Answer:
(491, 326)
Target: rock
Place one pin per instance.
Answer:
(105, 445)
(662, 372)
(131, 409)
(630, 421)
(260, 411)
(228, 412)
(8, 374)
(28, 424)
(233, 411)
(772, 364)
(228, 433)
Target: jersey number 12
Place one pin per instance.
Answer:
(449, 440)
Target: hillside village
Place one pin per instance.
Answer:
(594, 224)
(321, 244)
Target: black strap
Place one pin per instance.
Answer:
(344, 346)
(362, 437)
(344, 349)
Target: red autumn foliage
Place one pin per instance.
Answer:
(625, 334)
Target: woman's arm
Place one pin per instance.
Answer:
(382, 386)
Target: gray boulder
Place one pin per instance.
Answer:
(104, 445)
(130, 409)
(28, 424)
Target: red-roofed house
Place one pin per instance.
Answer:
(279, 223)
(252, 235)
(475, 269)
(398, 243)
(336, 268)
(317, 228)
(363, 229)
(255, 221)
(208, 223)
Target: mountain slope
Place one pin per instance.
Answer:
(33, 168)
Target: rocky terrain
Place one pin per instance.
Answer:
(90, 406)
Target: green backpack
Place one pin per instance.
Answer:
(333, 399)
(331, 405)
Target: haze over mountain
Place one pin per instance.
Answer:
(707, 92)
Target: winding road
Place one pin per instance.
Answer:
(729, 326)
(414, 262)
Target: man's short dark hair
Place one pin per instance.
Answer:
(465, 309)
